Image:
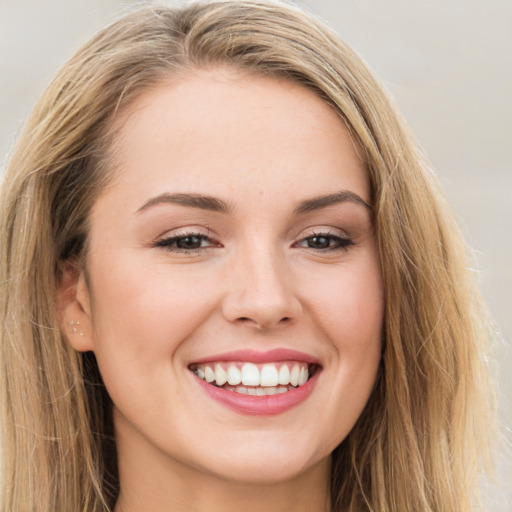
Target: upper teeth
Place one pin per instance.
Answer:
(250, 374)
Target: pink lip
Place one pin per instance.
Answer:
(259, 405)
(253, 356)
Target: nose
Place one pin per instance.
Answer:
(261, 292)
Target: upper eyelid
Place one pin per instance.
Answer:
(206, 232)
(186, 231)
(325, 231)
(183, 232)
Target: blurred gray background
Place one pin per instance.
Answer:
(447, 63)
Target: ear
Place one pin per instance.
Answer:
(73, 302)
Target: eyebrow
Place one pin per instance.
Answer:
(317, 203)
(214, 204)
(191, 200)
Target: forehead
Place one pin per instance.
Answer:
(220, 131)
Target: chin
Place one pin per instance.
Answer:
(266, 465)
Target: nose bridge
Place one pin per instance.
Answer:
(261, 290)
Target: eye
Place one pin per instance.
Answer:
(325, 242)
(186, 242)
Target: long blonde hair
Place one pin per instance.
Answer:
(417, 445)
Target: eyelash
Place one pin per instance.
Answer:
(340, 243)
(171, 244)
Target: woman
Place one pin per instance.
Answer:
(230, 281)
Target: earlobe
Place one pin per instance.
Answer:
(74, 309)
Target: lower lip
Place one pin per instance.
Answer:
(259, 405)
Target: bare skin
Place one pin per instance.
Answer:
(238, 221)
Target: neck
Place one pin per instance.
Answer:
(213, 495)
(156, 482)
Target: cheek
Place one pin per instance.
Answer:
(349, 305)
(350, 313)
(145, 302)
(140, 320)
(358, 328)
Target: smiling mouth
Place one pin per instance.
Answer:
(255, 379)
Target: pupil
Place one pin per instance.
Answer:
(319, 242)
(189, 242)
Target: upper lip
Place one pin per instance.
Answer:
(255, 356)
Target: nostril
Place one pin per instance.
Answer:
(263, 325)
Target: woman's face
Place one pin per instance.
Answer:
(234, 243)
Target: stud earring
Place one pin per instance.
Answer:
(74, 329)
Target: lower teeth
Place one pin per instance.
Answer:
(258, 390)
